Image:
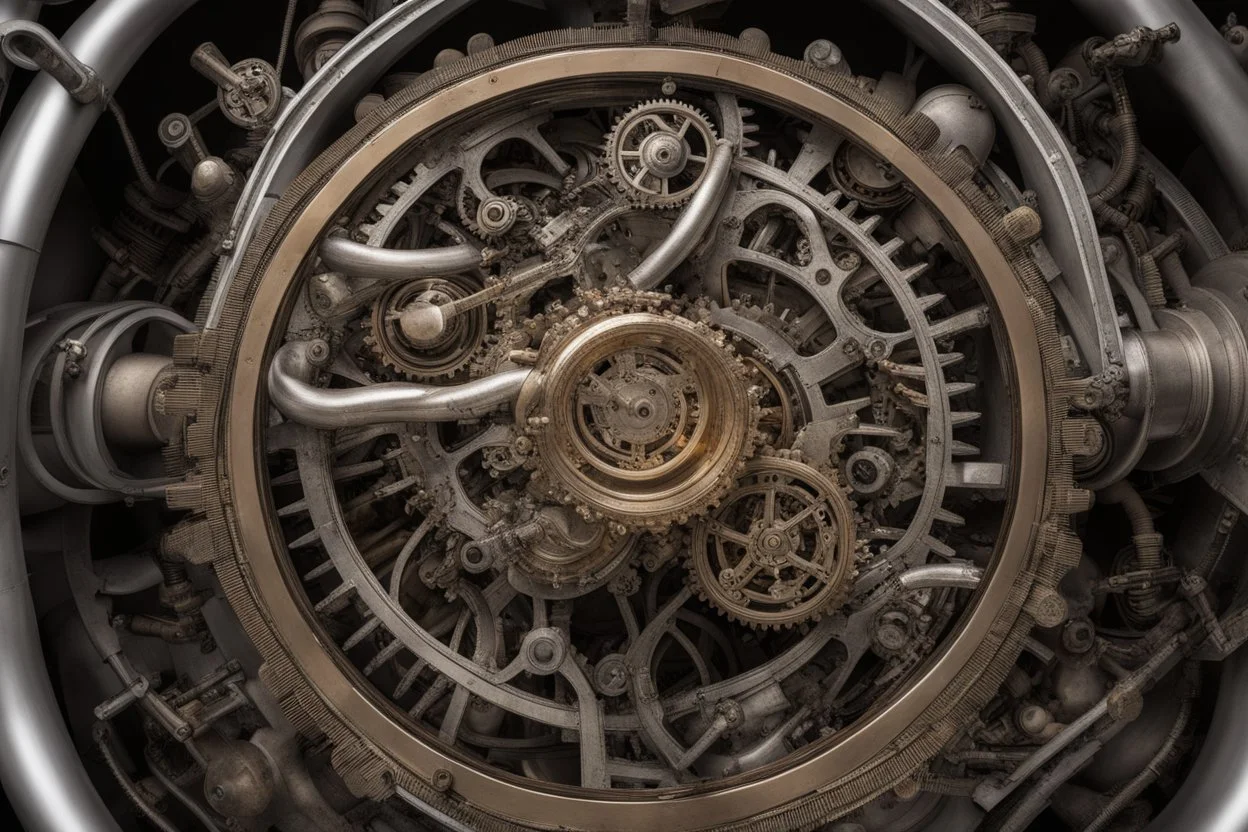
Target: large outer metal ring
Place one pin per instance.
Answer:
(852, 753)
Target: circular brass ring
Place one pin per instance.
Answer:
(737, 570)
(380, 747)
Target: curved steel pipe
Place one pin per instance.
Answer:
(358, 260)
(936, 575)
(380, 404)
(694, 221)
(1200, 71)
(1214, 797)
(41, 770)
(1046, 162)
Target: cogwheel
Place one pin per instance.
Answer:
(499, 219)
(444, 358)
(779, 550)
(639, 416)
(659, 152)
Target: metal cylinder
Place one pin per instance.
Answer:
(126, 412)
(41, 770)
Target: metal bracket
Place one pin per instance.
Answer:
(33, 47)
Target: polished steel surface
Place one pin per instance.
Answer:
(379, 404)
(40, 768)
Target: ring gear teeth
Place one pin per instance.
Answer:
(446, 360)
(628, 140)
(801, 570)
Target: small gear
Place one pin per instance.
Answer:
(779, 550)
(659, 152)
(444, 358)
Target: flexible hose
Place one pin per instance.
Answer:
(1121, 126)
(1038, 68)
(184, 798)
(102, 733)
(1150, 273)
(1143, 602)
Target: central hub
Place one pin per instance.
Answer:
(665, 154)
(641, 418)
(779, 550)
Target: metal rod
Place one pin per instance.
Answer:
(379, 404)
(42, 51)
(692, 225)
(41, 770)
(14, 10)
(935, 575)
(358, 260)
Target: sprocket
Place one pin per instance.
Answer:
(638, 414)
(659, 152)
(779, 549)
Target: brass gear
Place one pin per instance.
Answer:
(779, 550)
(659, 152)
(638, 415)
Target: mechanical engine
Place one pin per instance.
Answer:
(614, 415)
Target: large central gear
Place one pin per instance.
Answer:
(779, 550)
(638, 415)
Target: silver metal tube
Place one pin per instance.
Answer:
(1201, 73)
(358, 260)
(692, 225)
(380, 404)
(935, 575)
(41, 770)
(1214, 797)
(1044, 158)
